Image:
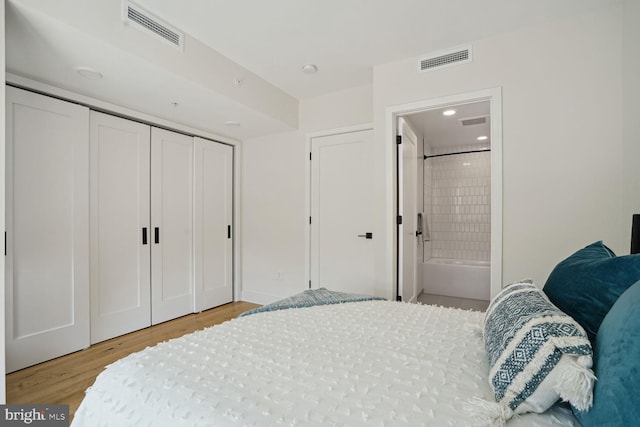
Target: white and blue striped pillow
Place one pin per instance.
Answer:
(537, 354)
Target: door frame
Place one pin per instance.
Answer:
(494, 96)
(307, 185)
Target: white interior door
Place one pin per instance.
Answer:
(47, 218)
(119, 226)
(172, 290)
(407, 193)
(214, 220)
(342, 233)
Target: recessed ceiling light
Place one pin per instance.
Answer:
(89, 73)
(232, 124)
(449, 112)
(309, 68)
(482, 138)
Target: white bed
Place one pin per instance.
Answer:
(374, 363)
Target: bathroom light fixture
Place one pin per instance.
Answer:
(482, 138)
(232, 124)
(448, 112)
(309, 68)
(89, 73)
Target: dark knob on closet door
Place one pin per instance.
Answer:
(156, 233)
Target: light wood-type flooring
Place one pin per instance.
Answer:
(64, 380)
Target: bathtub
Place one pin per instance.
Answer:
(457, 278)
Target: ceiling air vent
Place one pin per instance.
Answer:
(156, 26)
(439, 60)
(470, 121)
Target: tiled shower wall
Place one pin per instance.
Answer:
(460, 207)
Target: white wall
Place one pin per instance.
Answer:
(2, 179)
(562, 141)
(338, 109)
(630, 111)
(275, 214)
(273, 217)
(570, 150)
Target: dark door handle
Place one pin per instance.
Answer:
(156, 232)
(366, 235)
(144, 235)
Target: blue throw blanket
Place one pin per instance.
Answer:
(310, 298)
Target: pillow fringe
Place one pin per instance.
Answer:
(488, 413)
(473, 328)
(576, 383)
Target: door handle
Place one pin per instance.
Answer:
(366, 235)
(144, 235)
(156, 232)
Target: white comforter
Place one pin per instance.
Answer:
(373, 363)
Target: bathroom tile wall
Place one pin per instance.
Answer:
(427, 205)
(460, 203)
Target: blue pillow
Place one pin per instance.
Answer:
(616, 396)
(589, 282)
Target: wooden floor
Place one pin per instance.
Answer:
(64, 380)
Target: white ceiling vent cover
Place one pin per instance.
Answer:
(470, 121)
(152, 24)
(438, 60)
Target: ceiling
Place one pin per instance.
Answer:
(345, 38)
(442, 131)
(269, 40)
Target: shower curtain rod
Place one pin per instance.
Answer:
(453, 154)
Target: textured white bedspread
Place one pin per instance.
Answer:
(375, 363)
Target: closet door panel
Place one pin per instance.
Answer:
(47, 265)
(120, 259)
(172, 224)
(214, 219)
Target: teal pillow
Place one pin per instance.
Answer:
(589, 282)
(616, 396)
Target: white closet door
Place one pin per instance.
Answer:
(47, 262)
(120, 254)
(172, 225)
(214, 231)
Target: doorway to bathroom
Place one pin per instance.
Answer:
(449, 199)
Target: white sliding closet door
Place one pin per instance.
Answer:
(214, 231)
(119, 224)
(47, 261)
(172, 292)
